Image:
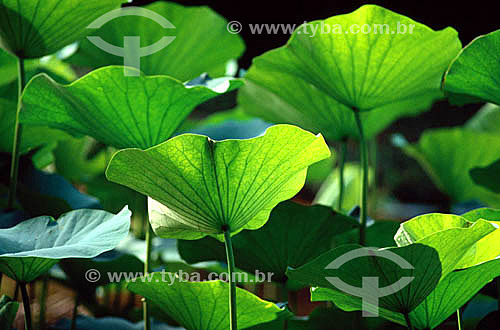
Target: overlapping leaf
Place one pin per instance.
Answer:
(486, 249)
(117, 110)
(487, 119)
(448, 154)
(487, 176)
(315, 81)
(432, 258)
(35, 28)
(199, 186)
(77, 234)
(203, 305)
(202, 42)
(293, 235)
(473, 75)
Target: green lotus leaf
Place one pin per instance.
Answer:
(432, 258)
(488, 176)
(33, 136)
(192, 52)
(472, 76)
(81, 233)
(453, 292)
(117, 110)
(35, 28)
(201, 187)
(203, 305)
(487, 119)
(309, 232)
(486, 249)
(316, 80)
(8, 311)
(448, 154)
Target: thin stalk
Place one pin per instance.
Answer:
(232, 286)
(459, 320)
(43, 302)
(75, 312)
(408, 321)
(27, 308)
(364, 179)
(341, 165)
(18, 129)
(147, 266)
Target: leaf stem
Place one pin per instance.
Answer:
(16, 144)
(232, 287)
(364, 179)
(459, 320)
(408, 321)
(147, 265)
(43, 302)
(27, 308)
(75, 311)
(341, 165)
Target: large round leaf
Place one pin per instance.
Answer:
(203, 305)
(473, 75)
(34, 246)
(309, 232)
(118, 110)
(432, 259)
(202, 42)
(317, 79)
(448, 154)
(199, 186)
(487, 176)
(35, 28)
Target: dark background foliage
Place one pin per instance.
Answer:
(469, 18)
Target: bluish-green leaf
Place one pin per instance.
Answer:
(77, 234)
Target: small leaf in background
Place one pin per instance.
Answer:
(115, 109)
(35, 28)
(76, 234)
(309, 232)
(328, 193)
(315, 81)
(8, 311)
(487, 119)
(448, 154)
(203, 305)
(205, 185)
(472, 76)
(488, 176)
(192, 52)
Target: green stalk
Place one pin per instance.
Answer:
(27, 308)
(341, 165)
(459, 320)
(18, 129)
(232, 287)
(75, 311)
(408, 321)
(147, 266)
(364, 180)
(43, 302)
